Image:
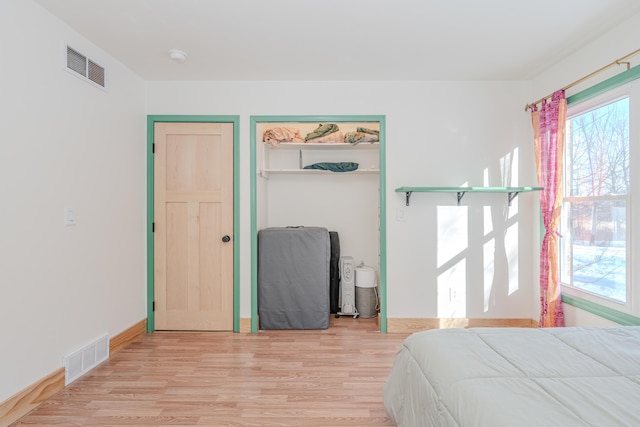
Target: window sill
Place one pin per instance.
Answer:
(619, 317)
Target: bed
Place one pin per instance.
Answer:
(516, 377)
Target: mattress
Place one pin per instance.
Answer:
(516, 377)
(293, 278)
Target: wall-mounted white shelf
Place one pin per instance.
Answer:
(511, 192)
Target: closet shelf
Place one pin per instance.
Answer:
(266, 172)
(338, 150)
(323, 146)
(512, 192)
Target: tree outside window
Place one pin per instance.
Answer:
(594, 226)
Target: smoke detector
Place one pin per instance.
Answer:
(177, 56)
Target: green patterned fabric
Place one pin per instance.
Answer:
(371, 131)
(334, 166)
(358, 137)
(322, 130)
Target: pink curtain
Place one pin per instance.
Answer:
(548, 129)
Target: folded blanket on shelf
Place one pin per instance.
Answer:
(274, 136)
(358, 137)
(371, 131)
(334, 166)
(331, 138)
(321, 131)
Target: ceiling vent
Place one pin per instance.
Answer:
(85, 67)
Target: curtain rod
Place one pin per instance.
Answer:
(588, 76)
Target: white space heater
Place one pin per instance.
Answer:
(347, 287)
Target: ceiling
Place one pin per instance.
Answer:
(341, 39)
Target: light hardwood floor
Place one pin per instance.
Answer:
(330, 378)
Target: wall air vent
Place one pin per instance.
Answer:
(96, 73)
(76, 62)
(85, 67)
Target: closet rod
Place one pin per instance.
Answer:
(588, 76)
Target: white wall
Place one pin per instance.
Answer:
(574, 316)
(65, 143)
(438, 134)
(599, 52)
(595, 54)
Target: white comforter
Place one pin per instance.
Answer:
(517, 377)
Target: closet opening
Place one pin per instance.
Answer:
(317, 220)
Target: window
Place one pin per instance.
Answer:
(593, 251)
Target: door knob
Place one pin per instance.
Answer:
(226, 238)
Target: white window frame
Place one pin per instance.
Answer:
(575, 110)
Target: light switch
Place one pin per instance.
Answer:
(400, 214)
(69, 216)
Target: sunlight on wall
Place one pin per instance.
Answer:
(453, 245)
(488, 254)
(511, 249)
(509, 169)
(500, 247)
(453, 233)
(457, 269)
(452, 291)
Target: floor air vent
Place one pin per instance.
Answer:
(83, 360)
(85, 67)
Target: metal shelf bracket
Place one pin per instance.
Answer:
(407, 196)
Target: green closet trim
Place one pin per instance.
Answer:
(601, 311)
(151, 120)
(383, 203)
(604, 86)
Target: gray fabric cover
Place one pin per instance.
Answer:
(293, 278)
(524, 377)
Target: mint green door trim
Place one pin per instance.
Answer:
(383, 203)
(151, 120)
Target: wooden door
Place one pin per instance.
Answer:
(193, 215)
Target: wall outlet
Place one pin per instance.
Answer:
(70, 216)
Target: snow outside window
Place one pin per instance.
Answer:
(594, 249)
